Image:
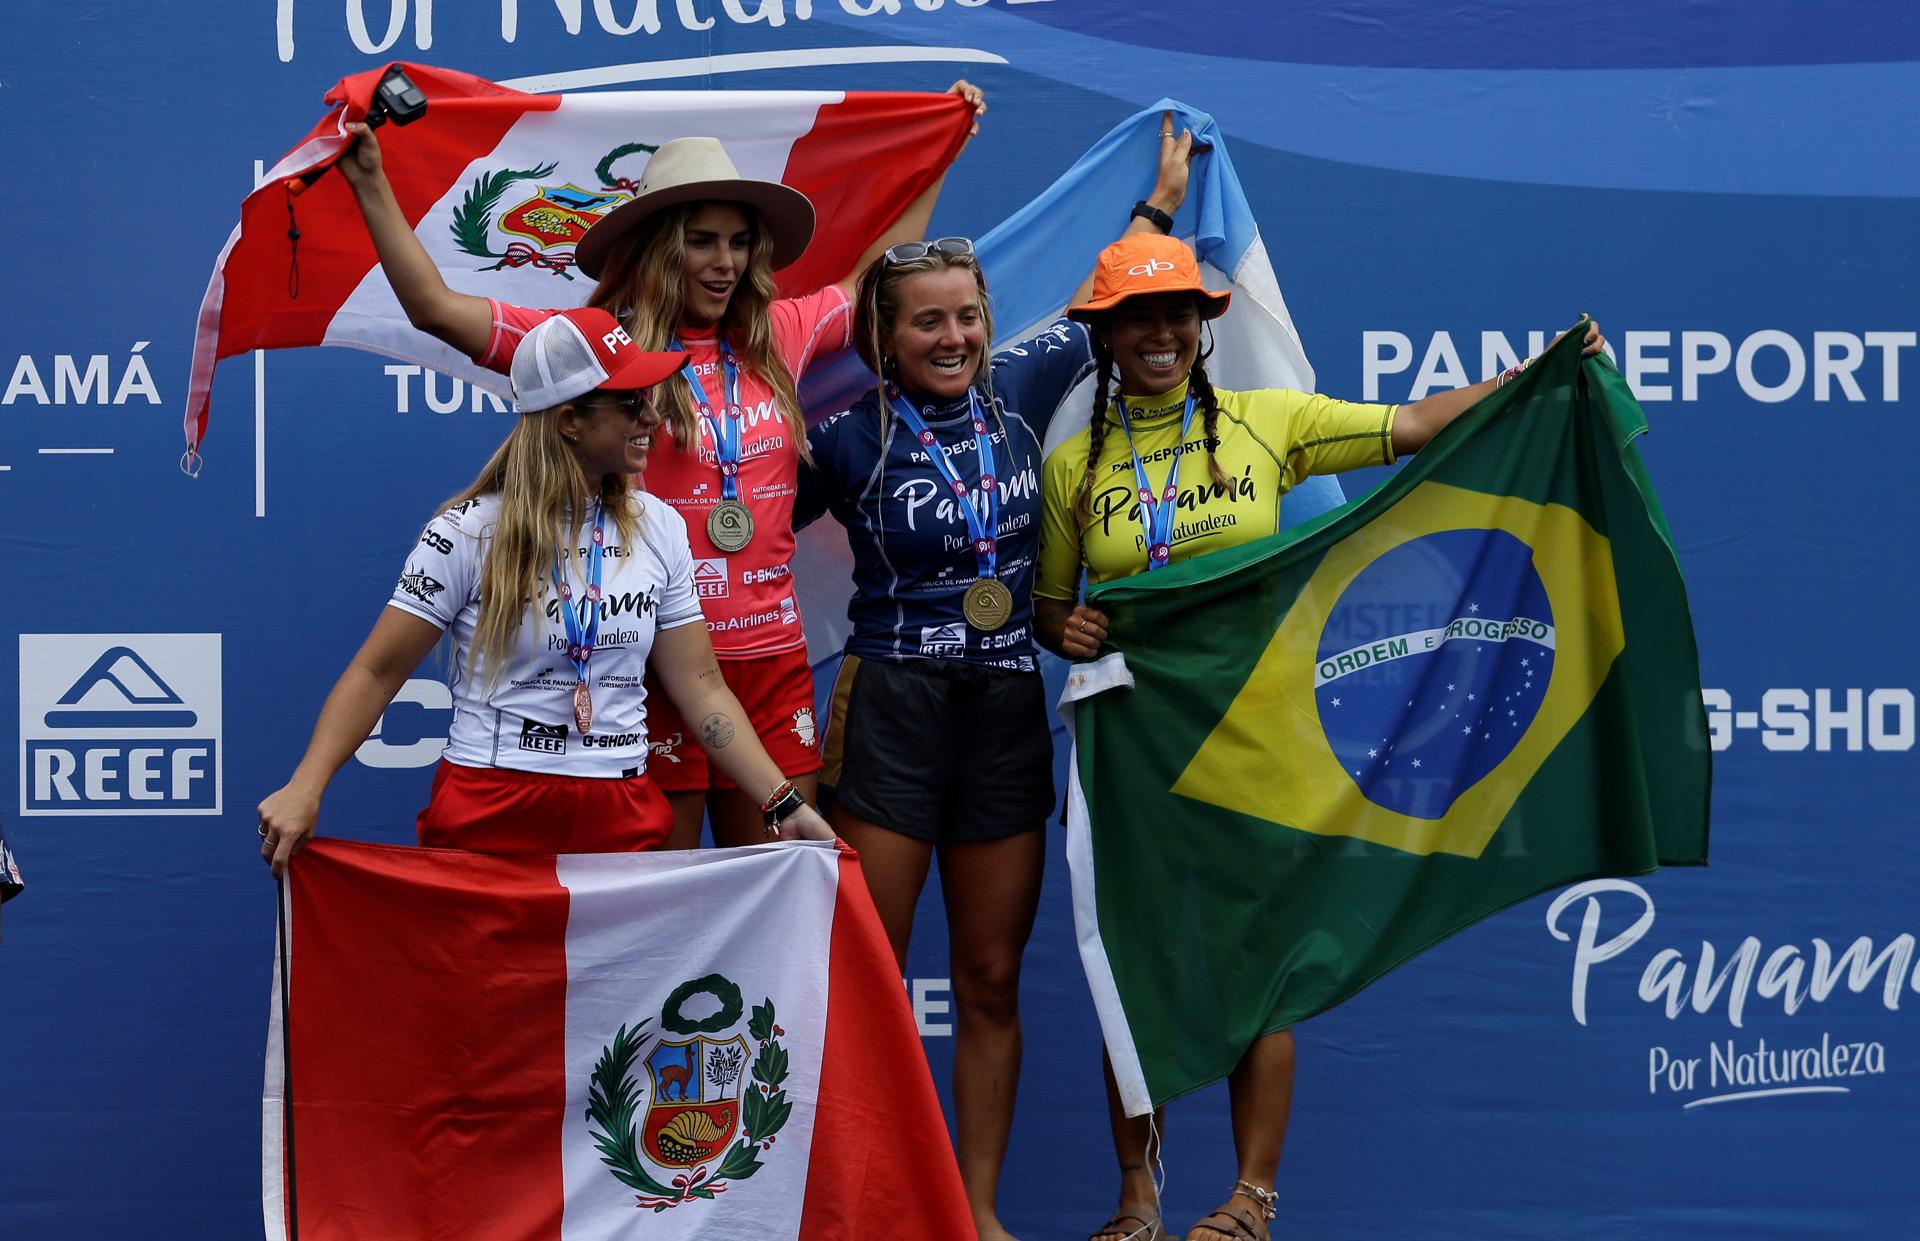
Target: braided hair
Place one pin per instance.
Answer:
(1209, 405)
(1205, 398)
(1103, 385)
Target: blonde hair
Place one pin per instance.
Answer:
(645, 288)
(876, 306)
(876, 309)
(540, 485)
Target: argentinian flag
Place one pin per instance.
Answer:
(1037, 257)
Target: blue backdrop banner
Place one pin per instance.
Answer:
(1706, 1054)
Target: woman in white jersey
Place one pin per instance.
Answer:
(560, 586)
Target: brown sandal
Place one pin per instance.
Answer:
(1146, 1221)
(1236, 1221)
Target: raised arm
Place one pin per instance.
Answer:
(460, 319)
(683, 661)
(1169, 189)
(1416, 423)
(399, 641)
(911, 225)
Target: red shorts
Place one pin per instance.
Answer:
(493, 810)
(777, 694)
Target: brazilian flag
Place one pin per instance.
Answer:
(1313, 756)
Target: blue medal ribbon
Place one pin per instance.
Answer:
(985, 534)
(1157, 519)
(724, 427)
(580, 640)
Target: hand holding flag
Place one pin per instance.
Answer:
(500, 185)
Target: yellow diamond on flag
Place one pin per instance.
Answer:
(1435, 659)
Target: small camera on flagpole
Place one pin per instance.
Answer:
(396, 99)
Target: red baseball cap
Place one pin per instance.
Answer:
(579, 350)
(1147, 263)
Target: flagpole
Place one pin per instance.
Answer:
(286, 1064)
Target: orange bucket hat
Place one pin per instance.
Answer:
(1147, 263)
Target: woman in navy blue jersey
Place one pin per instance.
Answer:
(938, 737)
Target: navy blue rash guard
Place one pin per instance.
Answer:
(912, 557)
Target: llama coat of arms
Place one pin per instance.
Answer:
(693, 1109)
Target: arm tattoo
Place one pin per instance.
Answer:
(713, 670)
(717, 730)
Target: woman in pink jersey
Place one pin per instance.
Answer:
(688, 263)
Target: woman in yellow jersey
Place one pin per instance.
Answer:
(1169, 468)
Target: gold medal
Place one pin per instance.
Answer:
(582, 708)
(730, 526)
(988, 604)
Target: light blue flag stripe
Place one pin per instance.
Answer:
(1038, 256)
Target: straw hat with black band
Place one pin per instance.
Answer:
(691, 170)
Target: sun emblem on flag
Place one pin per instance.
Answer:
(713, 1102)
(542, 229)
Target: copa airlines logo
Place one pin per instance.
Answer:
(120, 724)
(1852, 366)
(1605, 919)
(1822, 720)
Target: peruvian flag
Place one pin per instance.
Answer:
(499, 184)
(709, 1044)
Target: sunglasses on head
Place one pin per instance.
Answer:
(908, 251)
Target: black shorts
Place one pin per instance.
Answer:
(940, 750)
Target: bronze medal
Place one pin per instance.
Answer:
(582, 708)
(730, 526)
(988, 604)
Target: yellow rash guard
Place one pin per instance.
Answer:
(1269, 440)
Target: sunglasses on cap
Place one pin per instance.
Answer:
(908, 251)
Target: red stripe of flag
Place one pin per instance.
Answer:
(428, 1066)
(247, 304)
(876, 1098)
(863, 161)
(466, 119)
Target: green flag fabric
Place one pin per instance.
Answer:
(1313, 756)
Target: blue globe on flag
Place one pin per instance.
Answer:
(1431, 666)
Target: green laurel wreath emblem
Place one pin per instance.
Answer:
(473, 218)
(604, 169)
(613, 1101)
(720, 988)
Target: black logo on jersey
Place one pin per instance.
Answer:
(614, 741)
(420, 586)
(543, 738)
(437, 541)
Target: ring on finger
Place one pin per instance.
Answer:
(264, 835)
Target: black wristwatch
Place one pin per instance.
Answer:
(1152, 215)
(785, 801)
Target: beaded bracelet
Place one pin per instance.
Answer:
(1512, 372)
